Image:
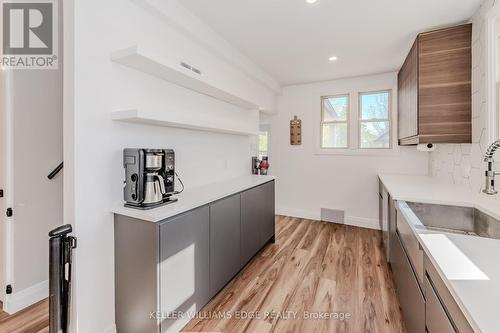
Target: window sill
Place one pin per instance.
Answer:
(359, 152)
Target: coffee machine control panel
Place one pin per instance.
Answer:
(170, 171)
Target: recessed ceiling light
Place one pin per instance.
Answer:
(332, 58)
(311, 1)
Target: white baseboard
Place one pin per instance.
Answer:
(111, 329)
(300, 213)
(26, 297)
(362, 222)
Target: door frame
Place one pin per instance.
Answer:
(6, 180)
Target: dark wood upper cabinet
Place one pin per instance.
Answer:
(434, 88)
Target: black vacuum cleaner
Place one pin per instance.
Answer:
(61, 246)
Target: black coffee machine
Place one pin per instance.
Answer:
(149, 177)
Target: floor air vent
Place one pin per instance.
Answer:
(332, 215)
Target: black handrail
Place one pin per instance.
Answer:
(55, 171)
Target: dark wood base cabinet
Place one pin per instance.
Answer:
(166, 272)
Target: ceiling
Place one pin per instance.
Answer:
(292, 40)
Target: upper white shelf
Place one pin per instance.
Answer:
(148, 62)
(165, 119)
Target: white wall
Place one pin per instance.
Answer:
(34, 147)
(96, 86)
(463, 164)
(308, 182)
(36, 103)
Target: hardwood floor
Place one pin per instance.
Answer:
(34, 319)
(313, 268)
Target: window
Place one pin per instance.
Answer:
(263, 144)
(374, 119)
(335, 121)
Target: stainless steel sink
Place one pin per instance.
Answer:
(455, 219)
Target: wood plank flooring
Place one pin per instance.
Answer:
(34, 319)
(313, 269)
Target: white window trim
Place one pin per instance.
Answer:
(389, 118)
(347, 121)
(266, 128)
(353, 141)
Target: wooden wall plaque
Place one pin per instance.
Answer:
(295, 131)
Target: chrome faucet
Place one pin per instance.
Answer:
(490, 173)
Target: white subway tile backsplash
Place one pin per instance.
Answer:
(463, 164)
(476, 179)
(457, 154)
(466, 148)
(476, 156)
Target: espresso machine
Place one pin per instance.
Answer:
(149, 177)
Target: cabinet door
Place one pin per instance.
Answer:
(184, 265)
(267, 206)
(392, 227)
(445, 83)
(436, 319)
(224, 242)
(251, 221)
(408, 95)
(257, 219)
(410, 297)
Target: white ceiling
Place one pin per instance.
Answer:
(292, 40)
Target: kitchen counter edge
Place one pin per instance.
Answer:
(194, 198)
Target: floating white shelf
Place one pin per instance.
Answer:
(148, 62)
(142, 117)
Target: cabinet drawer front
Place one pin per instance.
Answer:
(436, 319)
(454, 312)
(411, 245)
(410, 296)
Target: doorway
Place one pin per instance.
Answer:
(31, 146)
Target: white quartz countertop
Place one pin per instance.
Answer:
(468, 265)
(426, 189)
(194, 197)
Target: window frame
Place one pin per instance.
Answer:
(263, 132)
(347, 121)
(388, 119)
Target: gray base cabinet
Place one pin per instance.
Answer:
(411, 298)
(426, 302)
(442, 312)
(224, 242)
(436, 319)
(184, 265)
(165, 272)
(257, 219)
(136, 275)
(267, 207)
(392, 225)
